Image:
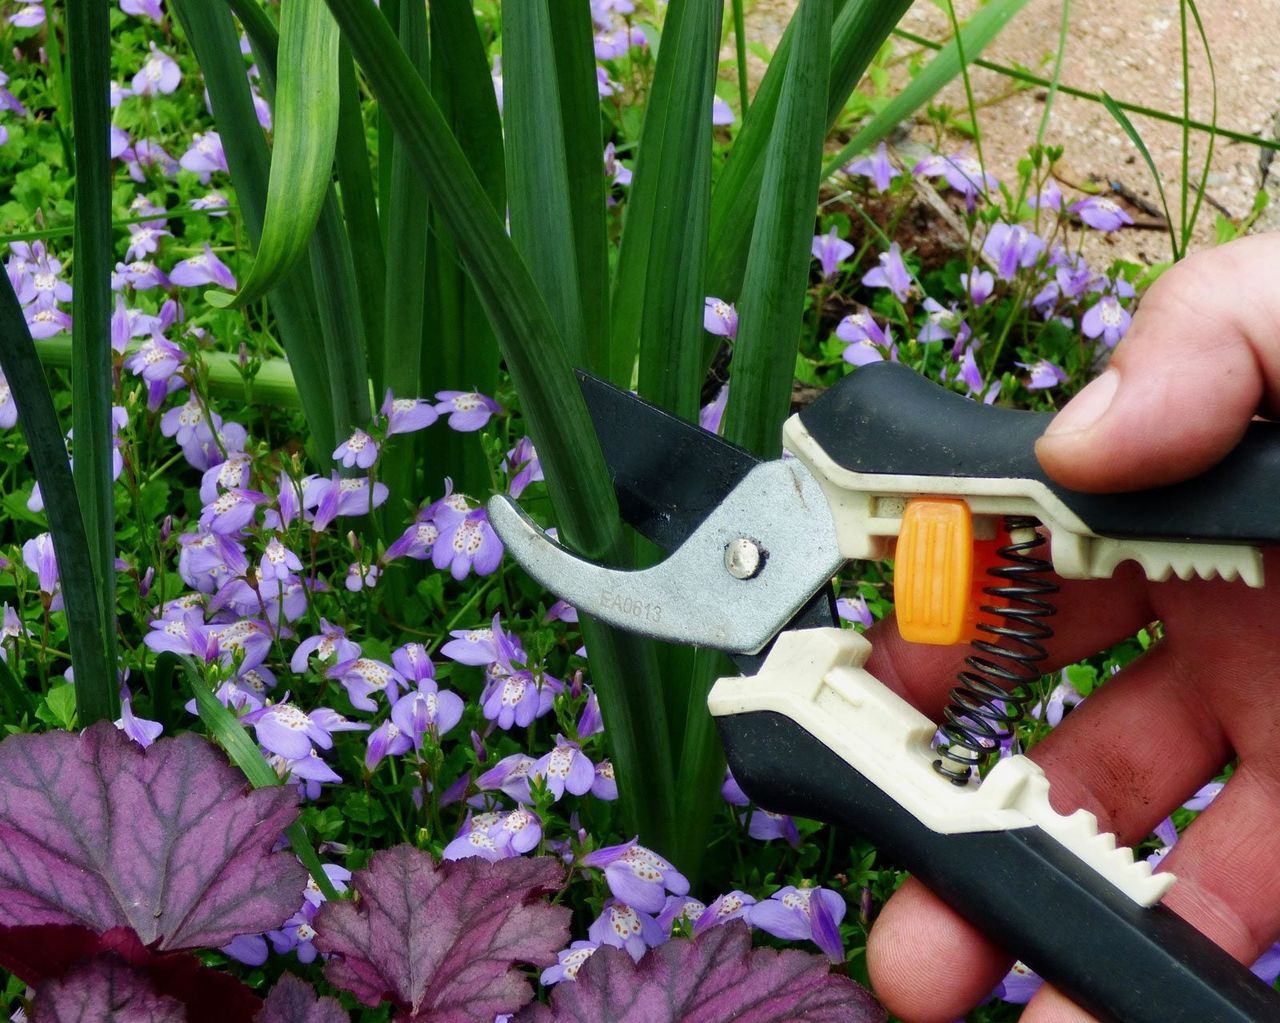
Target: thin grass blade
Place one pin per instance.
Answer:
(778, 264)
(537, 168)
(89, 58)
(305, 134)
(859, 28)
(1127, 125)
(244, 753)
(25, 377)
(571, 34)
(981, 29)
(659, 289)
(572, 462)
(212, 34)
(1190, 225)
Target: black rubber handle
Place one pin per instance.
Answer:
(1120, 961)
(885, 418)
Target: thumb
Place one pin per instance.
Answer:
(1201, 358)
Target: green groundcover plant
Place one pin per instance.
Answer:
(291, 289)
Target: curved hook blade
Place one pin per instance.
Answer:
(693, 597)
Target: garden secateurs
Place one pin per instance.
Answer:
(887, 463)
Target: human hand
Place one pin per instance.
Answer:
(1201, 358)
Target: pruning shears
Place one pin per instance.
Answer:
(887, 463)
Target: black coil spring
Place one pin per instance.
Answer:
(994, 690)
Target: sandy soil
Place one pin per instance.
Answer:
(1132, 50)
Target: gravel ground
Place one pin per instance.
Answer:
(1132, 50)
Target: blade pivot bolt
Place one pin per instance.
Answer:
(743, 558)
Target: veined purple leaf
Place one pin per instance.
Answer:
(441, 941)
(715, 978)
(168, 841)
(293, 1000)
(104, 990)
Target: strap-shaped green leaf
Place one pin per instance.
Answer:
(306, 132)
(778, 265)
(974, 37)
(43, 433)
(88, 37)
(659, 289)
(859, 27)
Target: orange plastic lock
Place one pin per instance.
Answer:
(933, 574)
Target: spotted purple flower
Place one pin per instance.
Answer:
(867, 340)
(830, 251)
(144, 9)
(205, 268)
(568, 962)
(854, 609)
(1019, 984)
(28, 16)
(730, 906)
(625, 927)
(1101, 213)
(962, 172)
(335, 496)
(247, 636)
(496, 835)
(45, 321)
(278, 562)
(386, 741)
(876, 167)
(159, 74)
(515, 699)
(140, 730)
(522, 465)
(720, 318)
(357, 450)
(1043, 374)
(467, 410)
(426, 709)
(565, 768)
(8, 408)
(407, 415)
(637, 876)
(1106, 319)
(466, 541)
(363, 676)
(680, 909)
(285, 729)
(797, 914)
(891, 273)
(231, 510)
(511, 776)
(205, 156)
(186, 634)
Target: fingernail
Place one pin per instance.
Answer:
(1087, 407)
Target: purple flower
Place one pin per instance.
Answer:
(1101, 213)
(1043, 374)
(711, 415)
(472, 646)
(891, 273)
(140, 275)
(362, 676)
(426, 709)
(8, 409)
(332, 643)
(962, 171)
(720, 318)
(250, 949)
(511, 776)
(721, 113)
(1061, 696)
(468, 410)
(466, 540)
(1012, 246)
(144, 240)
(877, 168)
(183, 635)
(231, 511)
(980, 284)
(143, 9)
(762, 825)
(868, 342)
(624, 927)
(830, 251)
(591, 722)
(159, 74)
(204, 156)
(496, 835)
(1019, 984)
(1107, 319)
(1049, 199)
(336, 496)
(215, 202)
(1205, 795)
(407, 415)
(940, 322)
(613, 167)
(357, 450)
(522, 464)
(28, 16)
(205, 268)
(386, 740)
(605, 785)
(38, 555)
(278, 562)
(565, 767)
(854, 609)
(413, 662)
(140, 730)
(681, 909)
(637, 876)
(44, 322)
(284, 729)
(515, 699)
(799, 913)
(247, 635)
(569, 962)
(729, 906)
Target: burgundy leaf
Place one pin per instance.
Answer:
(716, 978)
(293, 1000)
(95, 830)
(49, 951)
(104, 990)
(441, 942)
